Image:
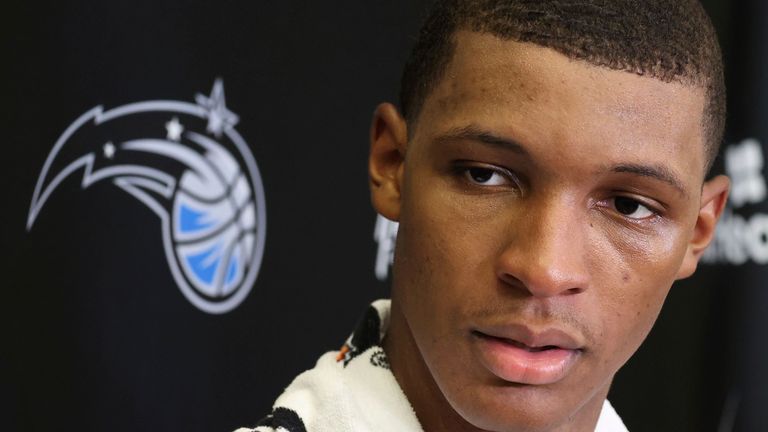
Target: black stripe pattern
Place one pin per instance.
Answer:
(367, 334)
(283, 418)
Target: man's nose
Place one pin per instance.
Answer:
(546, 252)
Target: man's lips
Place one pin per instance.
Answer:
(520, 355)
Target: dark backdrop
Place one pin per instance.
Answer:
(96, 334)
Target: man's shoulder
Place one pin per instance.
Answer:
(313, 396)
(343, 394)
(350, 390)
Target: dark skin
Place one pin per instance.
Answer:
(541, 193)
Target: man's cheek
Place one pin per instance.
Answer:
(634, 319)
(637, 268)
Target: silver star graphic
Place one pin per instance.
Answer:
(219, 117)
(109, 150)
(174, 129)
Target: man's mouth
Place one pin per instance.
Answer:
(526, 357)
(526, 347)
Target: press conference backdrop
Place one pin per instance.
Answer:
(186, 223)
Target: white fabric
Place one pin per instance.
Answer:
(609, 420)
(365, 397)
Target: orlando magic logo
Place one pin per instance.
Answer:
(175, 158)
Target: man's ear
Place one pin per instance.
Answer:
(713, 198)
(389, 138)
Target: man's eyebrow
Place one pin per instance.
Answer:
(658, 172)
(474, 133)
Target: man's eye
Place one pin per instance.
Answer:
(485, 176)
(632, 208)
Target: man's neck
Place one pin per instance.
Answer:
(432, 409)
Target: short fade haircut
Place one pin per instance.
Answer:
(670, 40)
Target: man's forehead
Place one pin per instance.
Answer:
(509, 85)
(483, 63)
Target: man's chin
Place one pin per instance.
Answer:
(518, 419)
(497, 405)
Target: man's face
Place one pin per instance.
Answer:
(546, 207)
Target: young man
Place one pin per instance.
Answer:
(548, 173)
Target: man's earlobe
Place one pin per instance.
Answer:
(713, 199)
(389, 138)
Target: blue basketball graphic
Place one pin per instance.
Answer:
(214, 223)
(211, 208)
